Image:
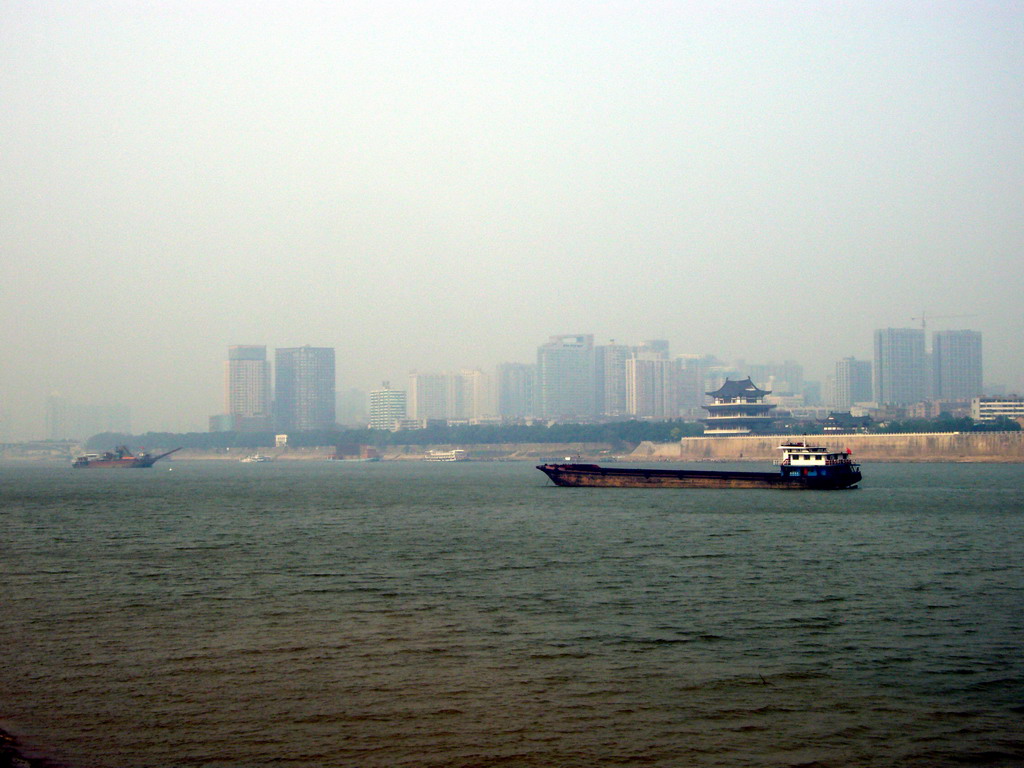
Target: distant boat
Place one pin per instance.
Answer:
(352, 453)
(255, 458)
(119, 458)
(456, 455)
(802, 467)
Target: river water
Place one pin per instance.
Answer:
(405, 614)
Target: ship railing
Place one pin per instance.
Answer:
(827, 462)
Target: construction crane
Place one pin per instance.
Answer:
(925, 317)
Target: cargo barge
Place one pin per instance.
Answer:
(119, 458)
(802, 467)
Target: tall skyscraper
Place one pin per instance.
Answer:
(304, 391)
(610, 374)
(476, 394)
(900, 375)
(956, 365)
(654, 349)
(442, 396)
(429, 395)
(247, 399)
(852, 383)
(693, 381)
(516, 386)
(566, 377)
(652, 390)
(386, 407)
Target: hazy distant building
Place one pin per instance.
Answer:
(304, 388)
(467, 395)
(784, 379)
(900, 374)
(566, 377)
(852, 383)
(476, 395)
(428, 395)
(812, 393)
(956, 365)
(247, 396)
(387, 407)
(516, 385)
(651, 387)
(610, 378)
(693, 381)
(653, 349)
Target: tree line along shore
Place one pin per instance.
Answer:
(619, 435)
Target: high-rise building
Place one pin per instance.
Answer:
(566, 377)
(304, 391)
(652, 349)
(693, 381)
(652, 390)
(900, 374)
(516, 385)
(610, 378)
(956, 365)
(387, 406)
(444, 396)
(429, 395)
(852, 383)
(784, 379)
(475, 394)
(247, 399)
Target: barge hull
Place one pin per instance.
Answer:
(593, 476)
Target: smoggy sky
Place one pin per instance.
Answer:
(439, 185)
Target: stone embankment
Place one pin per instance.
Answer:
(943, 446)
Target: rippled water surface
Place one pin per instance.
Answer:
(214, 614)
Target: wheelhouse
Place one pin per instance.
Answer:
(814, 460)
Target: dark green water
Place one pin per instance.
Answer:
(203, 614)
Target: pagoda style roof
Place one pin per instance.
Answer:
(744, 388)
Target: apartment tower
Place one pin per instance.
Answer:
(852, 383)
(566, 377)
(900, 375)
(247, 398)
(956, 365)
(304, 391)
(516, 385)
(387, 406)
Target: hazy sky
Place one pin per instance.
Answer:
(437, 185)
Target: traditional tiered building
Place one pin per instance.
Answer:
(738, 409)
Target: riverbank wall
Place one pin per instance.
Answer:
(924, 447)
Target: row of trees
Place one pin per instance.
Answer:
(618, 433)
(472, 434)
(947, 423)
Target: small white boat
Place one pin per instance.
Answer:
(255, 457)
(457, 455)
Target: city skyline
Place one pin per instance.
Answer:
(456, 392)
(442, 185)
